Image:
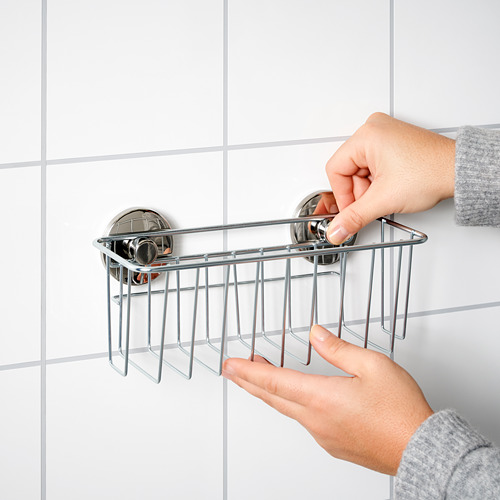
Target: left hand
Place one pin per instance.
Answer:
(367, 418)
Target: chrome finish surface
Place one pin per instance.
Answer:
(318, 203)
(142, 250)
(211, 302)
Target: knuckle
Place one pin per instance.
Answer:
(357, 219)
(328, 165)
(331, 165)
(271, 386)
(377, 360)
(375, 117)
(316, 428)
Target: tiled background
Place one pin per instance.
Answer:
(214, 111)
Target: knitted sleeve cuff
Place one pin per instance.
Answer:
(477, 177)
(432, 455)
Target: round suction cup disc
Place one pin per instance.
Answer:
(143, 251)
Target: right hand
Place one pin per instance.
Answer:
(367, 418)
(388, 166)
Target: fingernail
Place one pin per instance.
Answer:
(337, 235)
(320, 333)
(334, 209)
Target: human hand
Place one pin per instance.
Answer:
(388, 166)
(367, 419)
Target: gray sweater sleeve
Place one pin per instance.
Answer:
(477, 177)
(446, 458)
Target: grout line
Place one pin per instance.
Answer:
(448, 310)
(21, 164)
(489, 125)
(293, 142)
(18, 366)
(210, 149)
(444, 130)
(131, 156)
(43, 258)
(98, 355)
(225, 126)
(455, 129)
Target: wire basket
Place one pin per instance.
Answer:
(204, 307)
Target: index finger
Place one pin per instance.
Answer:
(348, 161)
(285, 383)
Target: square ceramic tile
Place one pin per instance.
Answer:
(445, 62)
(454, 358)
(128, 438)
(20, 434)
(305, 69)
(20, 216)
(20, 60)
(124, 77)
(271, 456)
(457, 265)
(82, 199)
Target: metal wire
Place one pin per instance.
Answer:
(175, 311)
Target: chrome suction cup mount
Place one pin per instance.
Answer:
(317, 203)
(144, 250)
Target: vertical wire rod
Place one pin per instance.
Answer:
(314, 307)
(285, 303)
(207, 307)
(316, 290)
(108, 288)
(382, 276)
(177, 275)
(396, 294)
(149, 309)
(237, 301)
(342, 292)
(290, 301)
(120, 319)
(255, 302)
(370, 288)
(407, 298)
(163, 328)
(224, 319)
(262, 304)
(195, 316)
(127, 334)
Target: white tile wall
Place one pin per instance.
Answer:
(453, 358)
(126, 77)
(271, 456)
(20, 434)
(445, 79)
(20, 211)
(457, 266)
(111, 437)
(20, 80)
(137, 80)
(284, 60)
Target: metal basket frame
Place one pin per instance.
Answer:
(229, 261)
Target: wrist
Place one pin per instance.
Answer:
(449, 168)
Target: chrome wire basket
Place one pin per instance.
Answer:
(177, 308)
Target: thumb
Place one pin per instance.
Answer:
(348, 357)
(357, 215)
